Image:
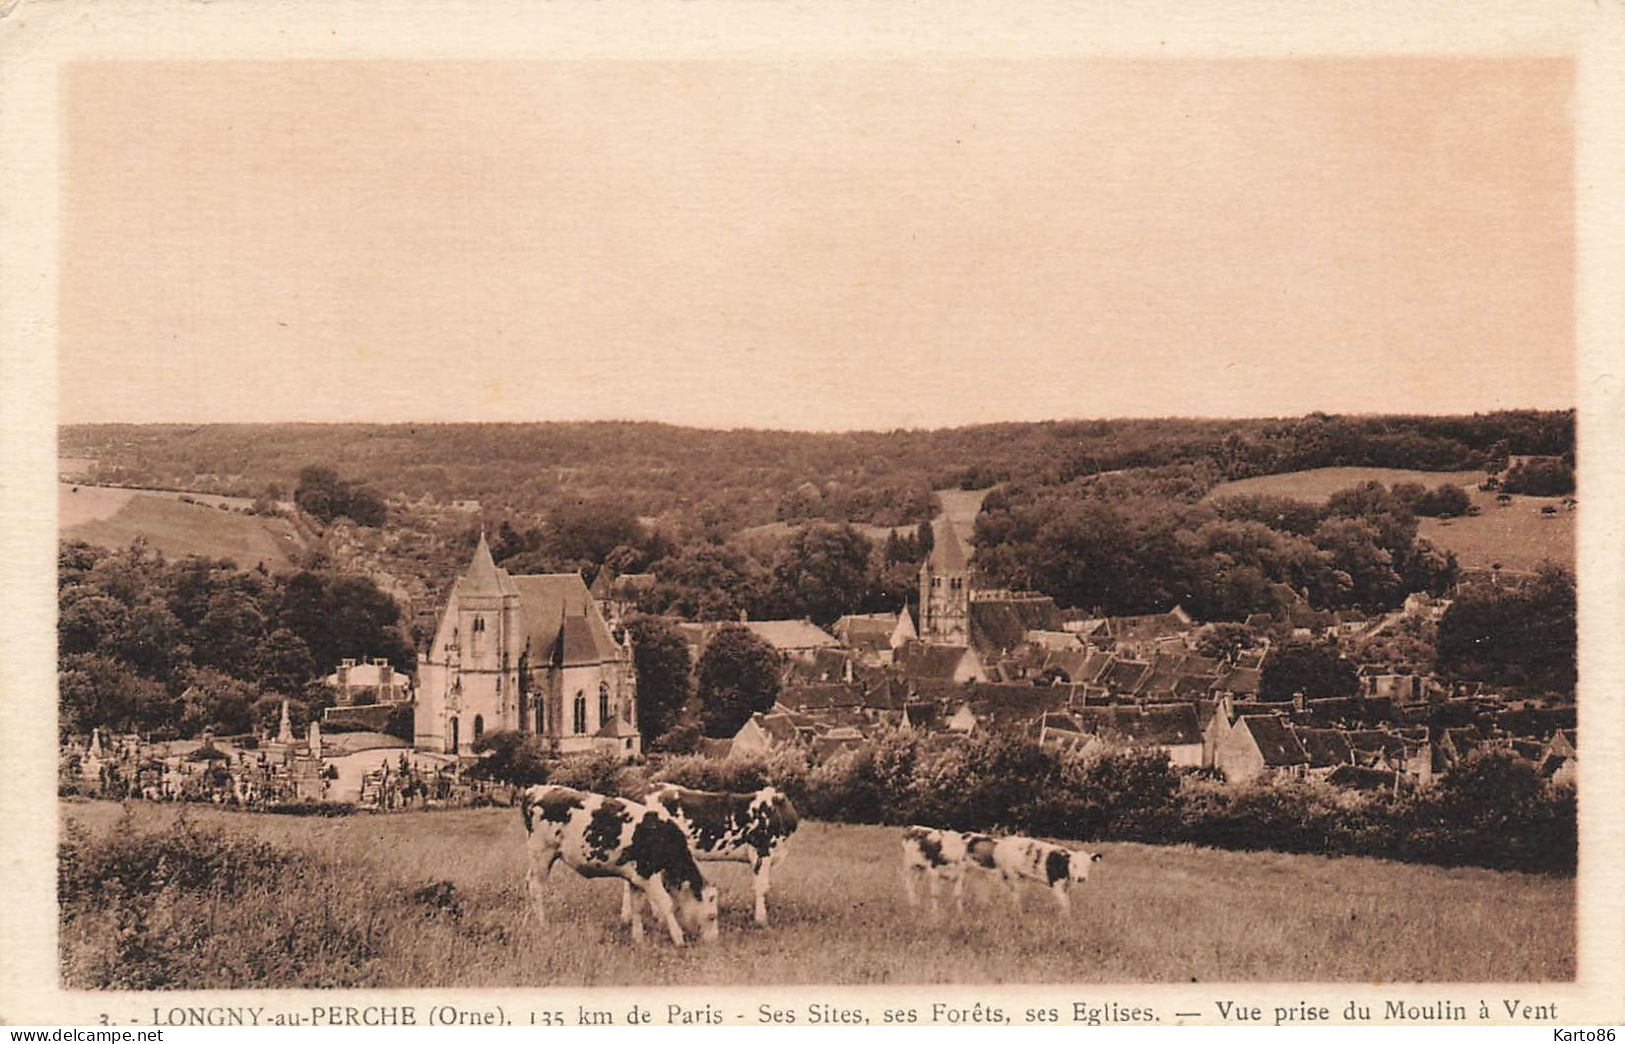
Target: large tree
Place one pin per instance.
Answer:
(738, 677)
(1315, 669)
(664, 682)
(823, 572)
(1521, 636)
(586, 531)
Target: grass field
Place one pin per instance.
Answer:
(1516, 536)
(1149, 914)
(113, 518)
(1318, 484)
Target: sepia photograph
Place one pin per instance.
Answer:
(874, 520)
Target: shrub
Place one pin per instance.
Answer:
(785, 768)
(598, 772)
(1493, 811)
(211, 909)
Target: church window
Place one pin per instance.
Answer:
(451, 745)
(580, 713)
(479, 624)
(540, 720)
(603, 703)
(936, 581)
(479, 727)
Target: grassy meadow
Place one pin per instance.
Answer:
(362, 903)
(1516, 536)
(112, 517)
(1316, 485)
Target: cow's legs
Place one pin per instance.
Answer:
(959, 890)
(634, 913)
(761, 880)
(1015, 891)
(660, 903)
(1063, 894)
(541, 866)
(912, 874)
(628, 901)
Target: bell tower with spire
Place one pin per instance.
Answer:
(945, 589)
(468, 681)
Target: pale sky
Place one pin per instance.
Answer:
(825, 244)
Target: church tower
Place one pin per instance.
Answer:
(945, 589)
(470, 676)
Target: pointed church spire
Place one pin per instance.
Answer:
(947, 551)
(482, 571)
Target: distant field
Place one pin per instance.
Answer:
(114, 517)
(962, 505)
(1318, 484)
(1516, 536)
(1149, 914)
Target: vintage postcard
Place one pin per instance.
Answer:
(826, 514)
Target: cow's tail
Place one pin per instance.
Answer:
(527, 810)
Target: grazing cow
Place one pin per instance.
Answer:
(742, 828)
(1016, 858)
(599, 836)
(935, 856)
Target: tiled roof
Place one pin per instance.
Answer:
(1125, 676)
(617, 727)
(1275, 740)
(870, 632)
(919, 660)
(1147, 627)
(716, 748)
(1014, 704)
(821, 695)
(1243, 709)
(1358, 777)
(1240, 680)
(1194, 686)
(546, 602)
(1325, 747)
(999, 625)
(1158, 724)
(786, 635)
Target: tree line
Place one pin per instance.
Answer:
(1134, 548)
(716, 483)
(173, 647)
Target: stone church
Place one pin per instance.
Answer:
(945, 588)
(531, 653)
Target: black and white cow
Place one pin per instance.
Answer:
(933, 856)
(742, 828)
(600, 836)
(1022, 858)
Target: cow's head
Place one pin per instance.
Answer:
(1079, 863)
(696, 908)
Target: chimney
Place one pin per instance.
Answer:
(744, 616)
